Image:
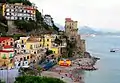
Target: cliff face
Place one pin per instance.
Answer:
(24, 26)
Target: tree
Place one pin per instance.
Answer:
(25, 25)
(48, 52)
(35, 71)
(36, 79)
(2, 81)
(58, 41)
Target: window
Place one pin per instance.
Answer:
(20, 59)
(27, 57)
(31, 47)
(7, 43)
(24, 58)
(40, 45)
(22, 41)
(11, 43)
(12, 10)
(34, 52)
(15, 51)
(3, 44)
(34, 46)
(47, 44)
(7, 10)
(22, 18)
(54, 51)
(47, 39)
(22, 46)
(7, 14)
(40, 40)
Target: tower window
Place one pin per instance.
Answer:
(47, 39)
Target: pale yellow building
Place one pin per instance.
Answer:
(47, 41)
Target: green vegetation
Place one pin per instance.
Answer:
(35, 71)
(58, 41)
(70, 48)
(2, 81)
(33, 75)
(25, 2)
(48, 52)
(15, 36)
(36, 79)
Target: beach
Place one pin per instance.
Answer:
(70, 74)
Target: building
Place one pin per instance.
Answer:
(34, 48)
(6, 51)
(28, 50)
(20, 59)
(71, 31)
(48, 20)
(6, 56)
(18, 11)
(48, 41)
(6, 41)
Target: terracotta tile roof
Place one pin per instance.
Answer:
(4, 38)
(68, 19)
(32, 40)
(6, 51)
(7, 46)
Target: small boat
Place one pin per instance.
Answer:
(112, 50)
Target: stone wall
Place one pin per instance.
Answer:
(11, 28)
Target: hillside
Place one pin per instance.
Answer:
(88, 30)
(24, 25)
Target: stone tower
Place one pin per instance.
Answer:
(71, 29)
(71, 32)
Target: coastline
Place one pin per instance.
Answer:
(75, 72)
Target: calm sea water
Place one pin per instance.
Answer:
(109, 64)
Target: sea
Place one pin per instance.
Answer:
(109, 63)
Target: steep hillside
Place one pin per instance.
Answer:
(24, 25)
